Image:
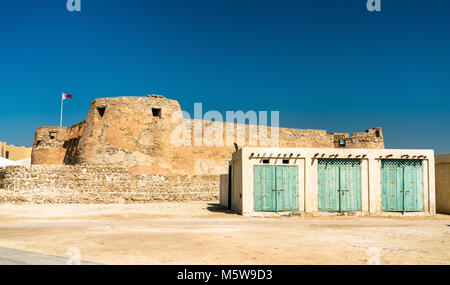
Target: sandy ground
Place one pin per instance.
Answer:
(203, 233)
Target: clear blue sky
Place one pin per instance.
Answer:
(324, 64)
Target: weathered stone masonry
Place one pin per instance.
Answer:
(124, 152)
(77, 184)
(138, 133)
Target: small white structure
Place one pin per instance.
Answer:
(331, 181)
(6, 162)
(25, 161)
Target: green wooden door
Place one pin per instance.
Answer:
(413, 187)
(275, 188)
(328, 186)
(286, 188)
(339, 185)
(391, 186)
(401, 185)
(350, 186)
(264, 184)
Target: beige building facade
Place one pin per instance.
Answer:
(13, 152)
(443, 183)
(330, 181)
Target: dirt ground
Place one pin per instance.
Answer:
(203, 233)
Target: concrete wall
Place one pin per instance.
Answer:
(224, 190)
(306, 160)
(75, 184)
(125, 132)
(13, 152)
(237, 185)
(443, 183)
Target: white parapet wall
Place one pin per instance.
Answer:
(306, 161)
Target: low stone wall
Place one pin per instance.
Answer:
(78, 184)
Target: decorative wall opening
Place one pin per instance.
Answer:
(156, 112)
(52, 135)
(101, 111)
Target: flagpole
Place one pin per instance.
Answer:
(62, 101)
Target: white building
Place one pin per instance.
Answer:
(6, 162)
(318, 181)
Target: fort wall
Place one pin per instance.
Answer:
(77, 184)
(149, 135)
(56, 145)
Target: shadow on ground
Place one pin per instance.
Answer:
(217, 208)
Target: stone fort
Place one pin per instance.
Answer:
(138, 133)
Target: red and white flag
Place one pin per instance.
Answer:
(65, 96)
